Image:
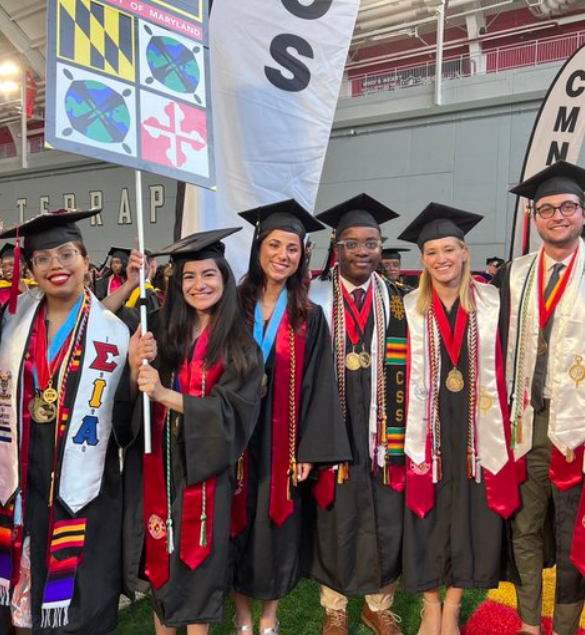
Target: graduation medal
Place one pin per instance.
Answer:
(42, 411)
(542, 345)
(352, 361)
(577, 371)
(365, 359)
(455, 382)
(50, 394)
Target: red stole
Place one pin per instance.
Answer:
(198, 499)
(114, 283)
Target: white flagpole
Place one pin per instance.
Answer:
(143, 317)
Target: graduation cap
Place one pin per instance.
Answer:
(393, 253)
(289, 216)
(439, 221)
(360, 211)
(199, 246)
(559, 178)
(7, 251)
(494, 260)
(49, 230)
(121, 253)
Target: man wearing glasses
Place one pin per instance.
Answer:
(354, 538)
(543, 329)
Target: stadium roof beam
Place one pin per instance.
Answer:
(22, 43)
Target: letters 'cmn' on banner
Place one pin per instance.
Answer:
(128, 83)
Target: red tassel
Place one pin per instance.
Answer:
(15, 279)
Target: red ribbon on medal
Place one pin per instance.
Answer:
(356, 320)
(546, 309)
(280, 507)
(46, 371)
(453, 341)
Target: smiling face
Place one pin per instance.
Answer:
(357, 266)
(202, 285)
(444, 259)
(8, 267)
(559, 231)
(280, 255)
(60, 272)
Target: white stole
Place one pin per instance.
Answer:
(105, 350)
(491, 446)
(566, 426)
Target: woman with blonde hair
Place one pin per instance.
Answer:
(460, 484)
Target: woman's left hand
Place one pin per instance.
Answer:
(303, 471)
(149, 382)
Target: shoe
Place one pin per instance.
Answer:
(244, 628)
(422, 613)
(381, 622)
(273, 630)
(335, 622)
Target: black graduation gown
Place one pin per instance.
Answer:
(268, 560)
(98, 581)
(354, 547)
(461, 541)
(212, 435)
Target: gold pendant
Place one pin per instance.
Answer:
(50, 394)
(365, 360)
(577, 371)
(41, 411)
(455, 382)
(485, 401)
(542, 345)
(352, 361)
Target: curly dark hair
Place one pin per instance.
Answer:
(253, 283)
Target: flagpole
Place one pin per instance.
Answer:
(143, 317)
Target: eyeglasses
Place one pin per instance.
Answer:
(65, 258)
(567, 208)
(351, 246)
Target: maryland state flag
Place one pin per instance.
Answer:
(95, 35)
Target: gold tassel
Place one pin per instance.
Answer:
(386, 470)
(240, 469)
(340, 474)
(570, 456)
(519, 431)
(203, 535)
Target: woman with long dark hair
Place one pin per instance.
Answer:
(461, 481)
(62, 357)
(204, 388)
(300, 423)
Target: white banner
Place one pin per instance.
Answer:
(276, 71)
(557, 135)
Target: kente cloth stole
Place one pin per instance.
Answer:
(198, 500)
(488, 420)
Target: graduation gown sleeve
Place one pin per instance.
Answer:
(322, 432)
(217, 429)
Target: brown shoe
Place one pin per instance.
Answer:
(381, 622)
(335, 623)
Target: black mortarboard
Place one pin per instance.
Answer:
(122, 253)
(494, 260)
(7, 251)
(393, 253)
(289, 216)
(559, 178)
(199, 246)
(360, 211)
(49, 230)
(439, 221)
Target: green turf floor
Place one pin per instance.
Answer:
(301, 614)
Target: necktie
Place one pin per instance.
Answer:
(539, 379)
(358, 296)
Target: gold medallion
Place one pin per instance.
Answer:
(41, 411)
(485, 401)
(352, 361)
(577, 371)
(365, 359)
(542, 345)
(50, 394)
(455, 382)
